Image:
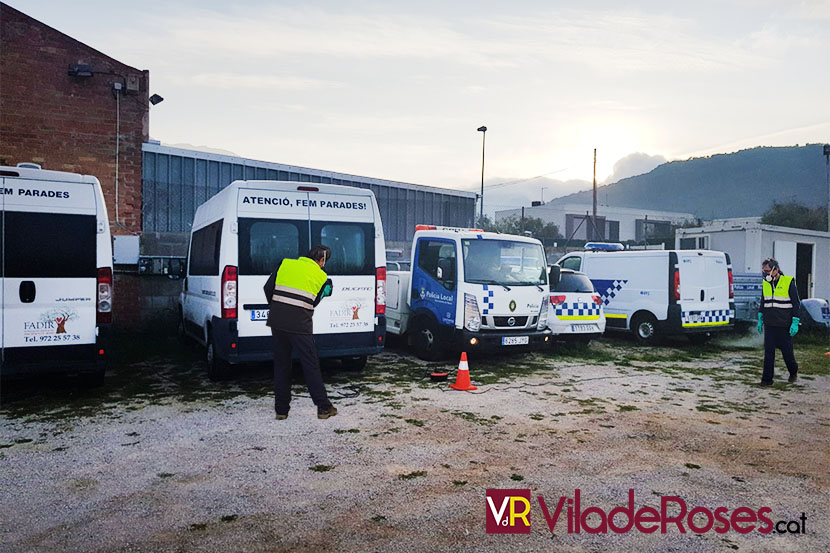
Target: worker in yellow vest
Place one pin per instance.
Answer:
(778, 319)
(293, 290)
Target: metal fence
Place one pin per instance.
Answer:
(176, 181)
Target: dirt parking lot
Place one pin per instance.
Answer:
(161, 459)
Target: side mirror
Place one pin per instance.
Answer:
(554, 277)
(327, 289)
(445, 269)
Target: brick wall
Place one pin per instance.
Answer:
(67, 123)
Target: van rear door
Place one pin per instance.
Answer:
(273, 225)
(704, 288)
(49, 263)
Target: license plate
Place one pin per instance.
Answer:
(259, 314)
(694, 317)
(585, 328)
(515, 340)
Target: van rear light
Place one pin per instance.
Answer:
(731, 285)
(677, 284)
(380, 291)
(104, 302)
(597, 299)
(229, 289)
(556, 300)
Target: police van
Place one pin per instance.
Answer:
(659, 292)
(239, 236)
(56, 265)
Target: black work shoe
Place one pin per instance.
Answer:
(282, 417)
(793, 377)
(766, 383)
(326, 412)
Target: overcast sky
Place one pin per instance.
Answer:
(396, 90)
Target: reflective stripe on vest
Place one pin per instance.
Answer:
(780, 297)
(298, 282)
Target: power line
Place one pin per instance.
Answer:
(508, 183)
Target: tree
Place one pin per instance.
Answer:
(794, 215)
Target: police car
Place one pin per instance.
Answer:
(576, 310)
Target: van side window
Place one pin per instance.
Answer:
(437, 259)
(265, 242)
(44, 245)
(352, 247)
(573, 263)
(204, 250)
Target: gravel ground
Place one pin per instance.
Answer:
(161, 459)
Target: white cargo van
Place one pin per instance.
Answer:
(240, 235)
(56, 251)
(653, 292)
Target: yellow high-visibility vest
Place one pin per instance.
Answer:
(298, 282)
(780, 296)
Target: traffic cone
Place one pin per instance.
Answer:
(462, 378)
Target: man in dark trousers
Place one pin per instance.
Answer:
(293, 291)
(778, 319)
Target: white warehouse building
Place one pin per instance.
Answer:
(615, 224)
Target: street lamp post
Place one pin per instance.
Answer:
(483, 130)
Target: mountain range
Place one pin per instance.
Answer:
(740, 184)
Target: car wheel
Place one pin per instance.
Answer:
(357, 363)
(644, 328)
(426, 341)
(217, 369)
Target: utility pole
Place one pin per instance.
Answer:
(483, 130)
(594, 216)
(543, 194)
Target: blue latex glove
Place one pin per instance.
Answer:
(794, 326)
(760, 323)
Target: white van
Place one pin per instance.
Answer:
(653, 292)
(239, 236)
(56, 250)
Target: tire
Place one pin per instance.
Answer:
(356, 364)
(426, 341)
(644, 328)
(700, 339)
(217, 369)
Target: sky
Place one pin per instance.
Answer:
(396, 90)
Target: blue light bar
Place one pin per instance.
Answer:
(604, 247)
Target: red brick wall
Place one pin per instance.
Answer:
(68, 123)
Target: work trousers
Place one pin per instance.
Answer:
(303, 344)
(777, 337)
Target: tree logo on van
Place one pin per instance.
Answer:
(60, 317)
(355, 309)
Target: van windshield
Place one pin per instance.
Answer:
(504, 262)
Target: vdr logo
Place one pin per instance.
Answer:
(508, 511)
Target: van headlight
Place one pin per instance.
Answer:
(543, 314)
(472, 316)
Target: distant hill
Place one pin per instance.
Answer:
(742, 184)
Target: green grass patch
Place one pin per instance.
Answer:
(412, 475)
(321, 468)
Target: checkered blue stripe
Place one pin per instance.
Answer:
(488, 300)
(577, 309)
(713, 316)
(611, 290)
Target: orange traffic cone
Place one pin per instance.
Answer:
(462, 378)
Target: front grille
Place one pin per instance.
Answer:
(520, 322)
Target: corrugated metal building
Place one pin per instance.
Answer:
(176, 181)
